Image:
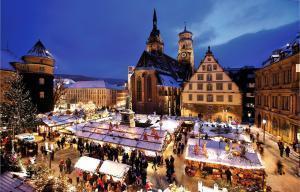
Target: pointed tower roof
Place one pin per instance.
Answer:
(155, 31)
(39, 50)
(208, 52)
(185, 31)
(154, 19)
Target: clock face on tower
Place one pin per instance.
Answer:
(183, 54)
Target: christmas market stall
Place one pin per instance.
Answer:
(118, 171)
(149, 140)
(88, 164)
(209, 158)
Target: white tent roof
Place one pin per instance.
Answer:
(87, 164)
(117, 170)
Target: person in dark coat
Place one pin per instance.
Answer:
(287, 151)
(68, 164)
(228, 176)
(181, 148)
(281, 150)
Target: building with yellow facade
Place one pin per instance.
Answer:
(277, 99)
(210, 93)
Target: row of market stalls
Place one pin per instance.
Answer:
(148, 139)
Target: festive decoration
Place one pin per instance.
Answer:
(145, 137)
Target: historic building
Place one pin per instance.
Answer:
(277, 99)
(245, 79)
(210, 93)
(157, 78)
(37, 68)
(6, 71)
(98, 92)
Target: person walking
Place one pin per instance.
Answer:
(154, 162)
(61, 166)
(228, 176)
(281, 150)
(280, 167)
(287, 151)
(68, 163)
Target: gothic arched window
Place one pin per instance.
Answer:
(139, 89)
(149, 88)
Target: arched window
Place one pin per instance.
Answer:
(139, 89)
(149, 88)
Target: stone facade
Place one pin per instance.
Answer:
(277, 97)
(211, 94)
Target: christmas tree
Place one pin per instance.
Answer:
(17, 112)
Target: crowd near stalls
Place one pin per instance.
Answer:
(218, 150)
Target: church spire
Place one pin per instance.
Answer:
(154, 20)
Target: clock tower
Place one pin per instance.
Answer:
(185, 48)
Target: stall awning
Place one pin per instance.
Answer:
(117, 170)
(88, 164)
(11, 183)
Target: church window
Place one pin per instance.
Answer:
(149, 88)
(219, 86)
(209, 87)
(209, 68)
(139, 89)
(219, 76)
(210, 98)
(42, 94)
(209, 77)
(41, 81)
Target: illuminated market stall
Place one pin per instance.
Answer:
(117, 170)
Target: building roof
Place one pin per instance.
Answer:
(283, 52)
(9, 182)
(95, 84)
(163, 64)
(39, 50)
(7, 56)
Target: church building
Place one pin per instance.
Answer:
(210, 94)
(157, 79)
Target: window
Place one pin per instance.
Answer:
(199, 97)
(190, 86)
(41, 81)
(219, 86)
(190, 97)
(210, 98)
(274, 102)
(275, 79)
(209, 68)
(208, 59)
(200, 76)
(287, 76)
(203, 67)
(149, 88)
(229, 98)
(215, 67)
(219, 76)
(285, 103)
(139, 89)
(229, 86)
(209, 87)
(199, 86)
(42, 69)
(209, 77)
(220, 98)
(42, 94)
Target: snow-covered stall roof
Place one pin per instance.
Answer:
(124, 135)
(87, 164)
(9, 182)
(117, 170)
(58, 120)
(216, 154)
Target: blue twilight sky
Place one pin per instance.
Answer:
(101, 38)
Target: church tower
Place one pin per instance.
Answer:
(155, 43)
(185, 48)
(37, 68)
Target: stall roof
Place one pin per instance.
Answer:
(87, 164)
(11, 183)
(218, 155)
(117, 170)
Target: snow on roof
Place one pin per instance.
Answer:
(10, 182)
(117, 170)
(95, 84)
(168, 81)
(39, 50)
(216, 154)
(87, 164)
(7, 56)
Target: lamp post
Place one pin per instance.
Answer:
(264, 127)
(249, 115)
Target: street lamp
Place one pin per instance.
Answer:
(249, 116)
(264, 127)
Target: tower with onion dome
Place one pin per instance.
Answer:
(37, 69)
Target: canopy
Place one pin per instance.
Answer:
(87, 164)
(117, 170)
